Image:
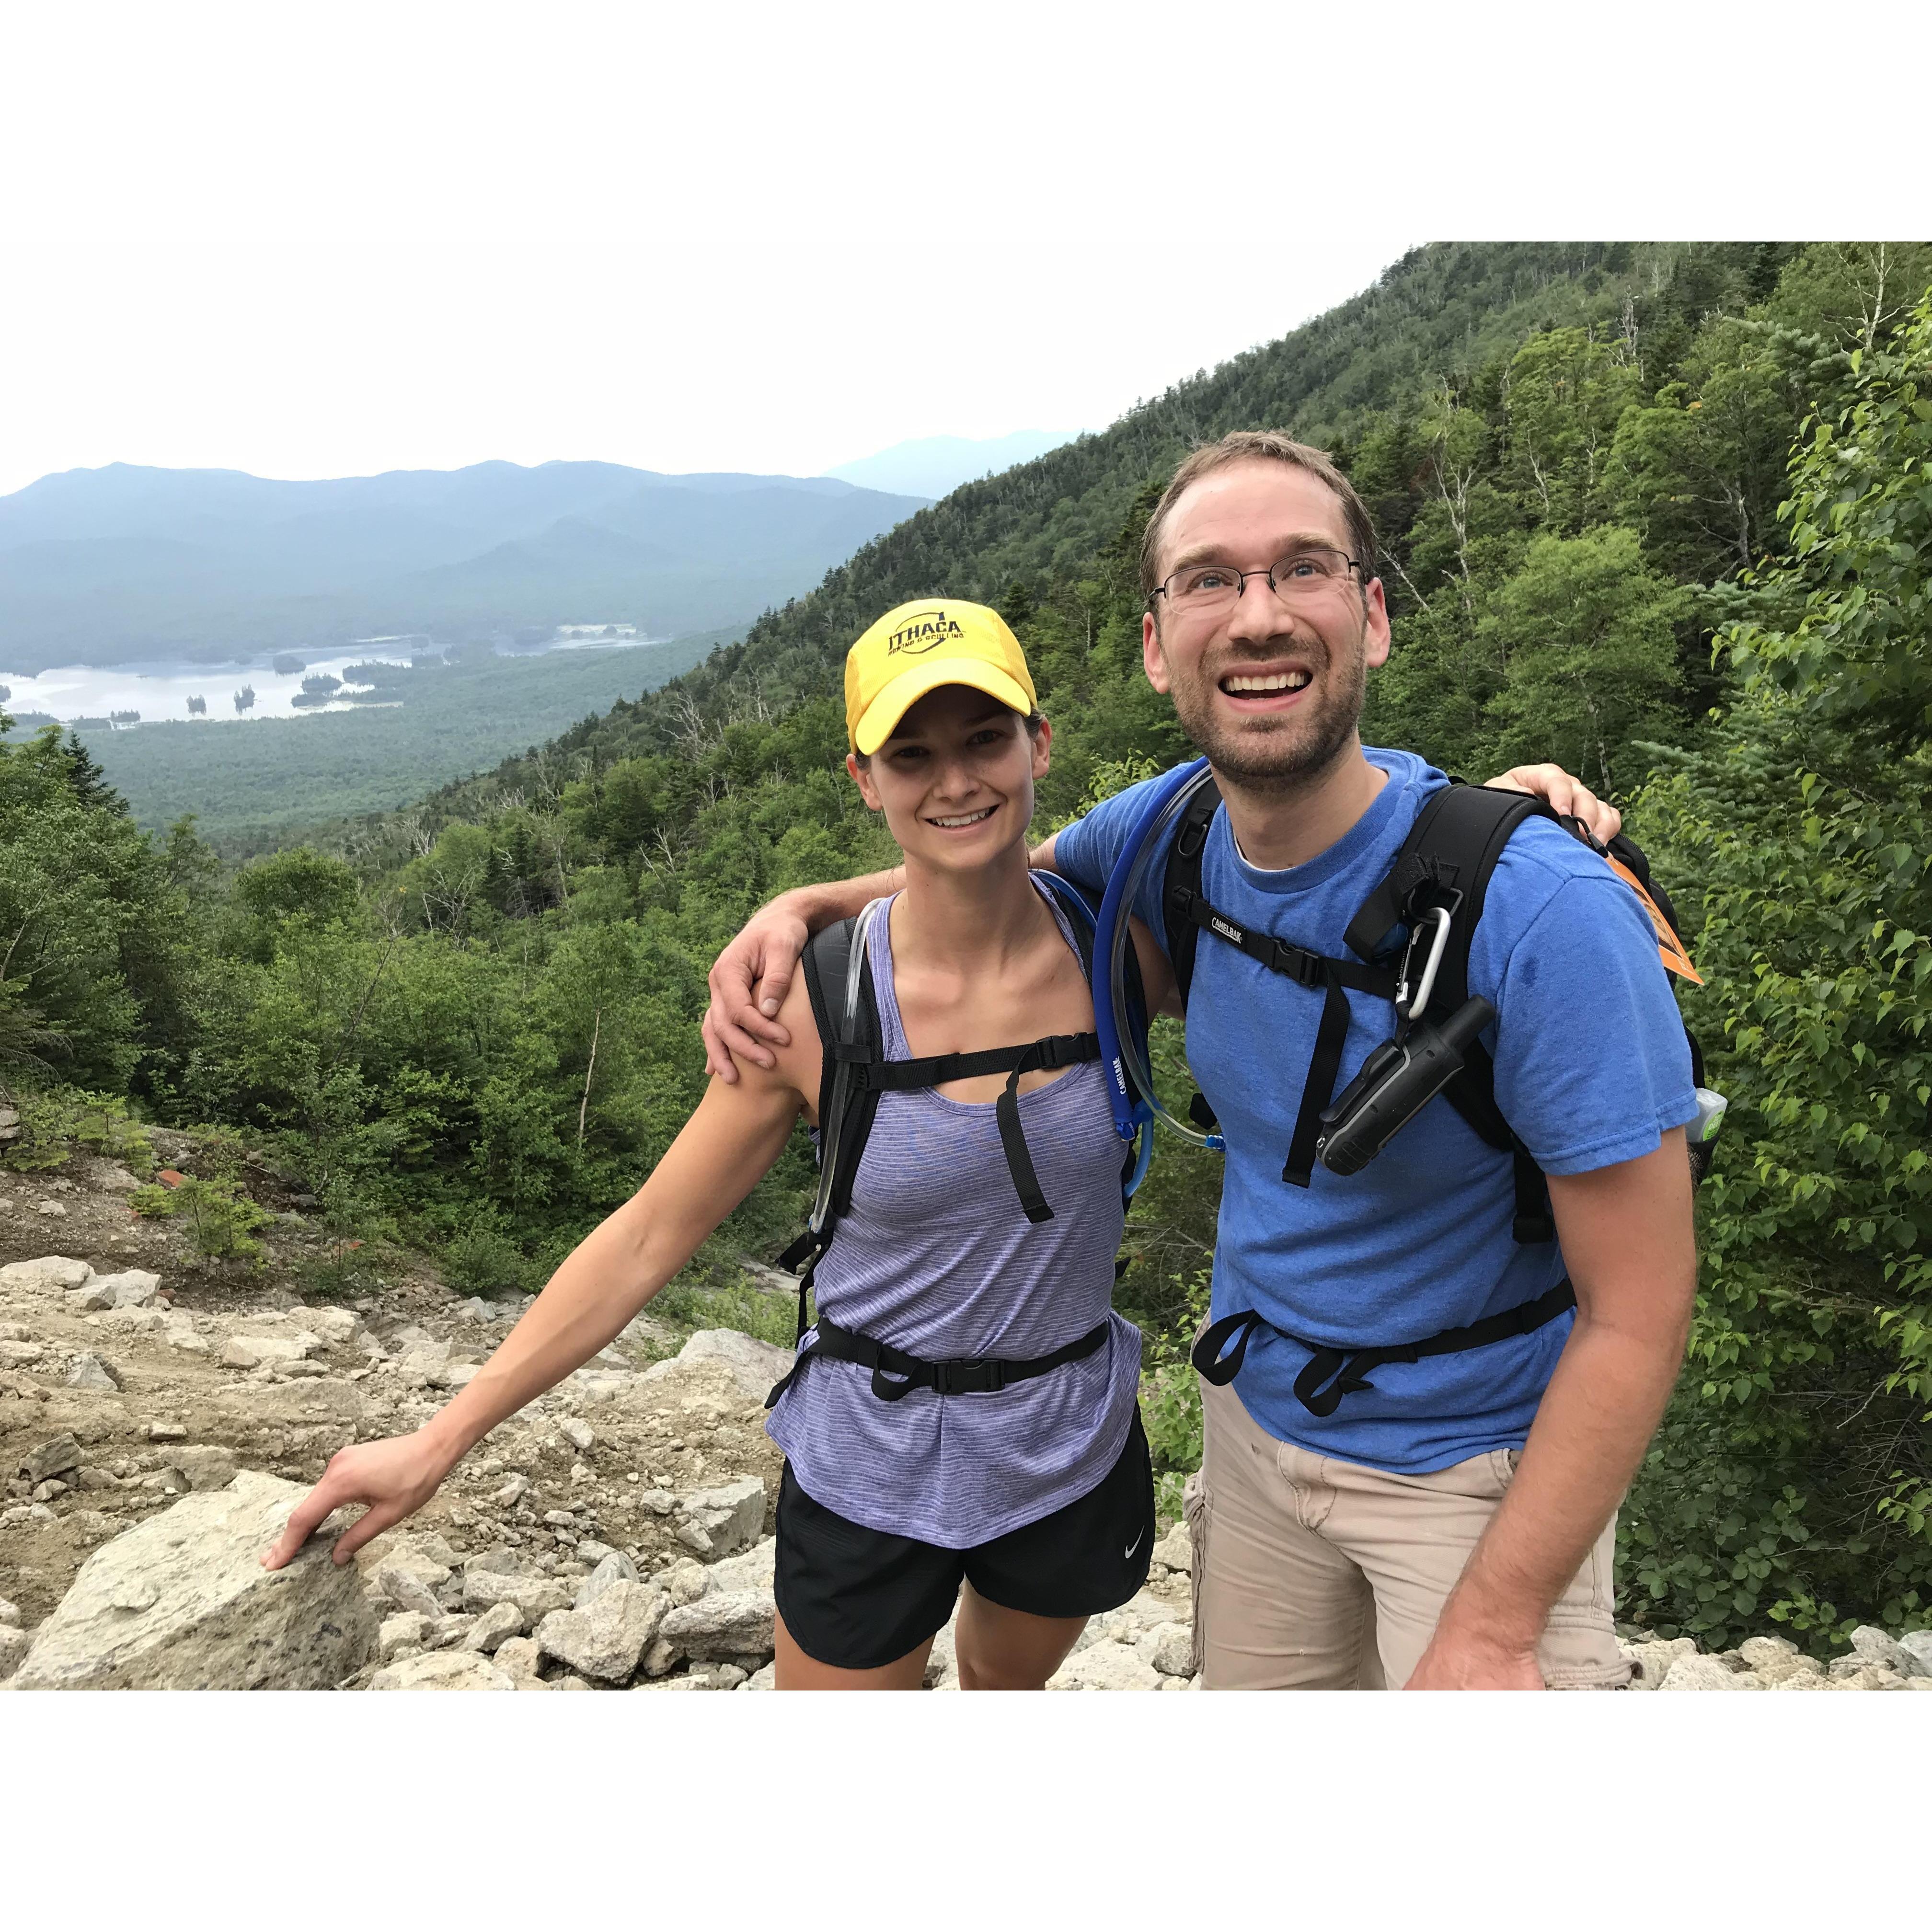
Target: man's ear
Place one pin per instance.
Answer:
(1151, 653)
(861, 777)
(1376, 626)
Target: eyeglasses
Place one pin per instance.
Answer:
(1300, 577)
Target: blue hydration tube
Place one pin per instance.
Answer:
(1127, 1122)
(1122, 1048)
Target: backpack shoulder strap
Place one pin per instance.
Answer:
(1181, 884)
(1447, 860)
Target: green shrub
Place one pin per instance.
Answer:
(221, 1220)
(481, 1260)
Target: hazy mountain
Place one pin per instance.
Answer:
(103, 565)
(935, 465)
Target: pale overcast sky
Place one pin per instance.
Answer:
(311, 240)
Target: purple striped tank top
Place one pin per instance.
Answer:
(938, 1257)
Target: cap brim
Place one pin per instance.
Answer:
(882, 716)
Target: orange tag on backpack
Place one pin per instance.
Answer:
(1670, 947)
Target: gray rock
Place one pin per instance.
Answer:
(754, 1366)
(10, 1615)
(1175, 1549)
(133, 1287)
(516, 1487)
(684, 1581)
(1650, 1663)
(536, 1597)
(252, 1351)
(695, 1537)
(725, 1624)
(1916, 1647)
(1106, 1667)
(20, 1354)
(206, 1465)
(752, 1569)
(407, 1590)
(54, 1457)
(14, 1644)
(1874, 1646)
(1696, 1672)
(402, 1635)
(764, 1679)
(494, 1628)
(219, 1621)
(729, 1516)
(92, 1372)
(443, 1670)
(607, 1638)
(517, 1655)
(48, 1275)
(1169, 1648)
(578, 1434)
(615, 1568)
(1758, 1651)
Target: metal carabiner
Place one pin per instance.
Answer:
(1411, 1008)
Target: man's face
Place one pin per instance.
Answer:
(1271, 689)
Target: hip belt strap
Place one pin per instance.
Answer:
(1332, 1373)
(894, 1373)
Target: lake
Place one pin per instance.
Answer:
(160, 690)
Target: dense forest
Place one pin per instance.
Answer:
(1660, 510)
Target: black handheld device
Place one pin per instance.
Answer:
(1396, 1081)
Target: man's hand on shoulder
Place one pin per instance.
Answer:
(1569, 797)
(749, 980)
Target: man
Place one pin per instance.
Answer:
(1450, 1522)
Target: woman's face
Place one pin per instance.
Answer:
(955, 778)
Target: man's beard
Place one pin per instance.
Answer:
(1284, 751)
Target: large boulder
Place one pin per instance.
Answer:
(754, 1366)
(133, 1287)
(183, 1603)
(1698, 1672)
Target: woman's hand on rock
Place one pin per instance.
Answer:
(394, 1478)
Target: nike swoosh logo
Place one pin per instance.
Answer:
(1133, 1546)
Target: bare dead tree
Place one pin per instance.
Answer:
(582, 1105)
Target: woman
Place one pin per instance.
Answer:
(1037, 1497)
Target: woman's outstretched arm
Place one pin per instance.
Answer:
(727, 1146)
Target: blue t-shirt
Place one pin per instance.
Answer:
(1591, 1067)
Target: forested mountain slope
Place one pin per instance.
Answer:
(472, 1025)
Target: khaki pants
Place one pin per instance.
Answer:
(1313, 1574)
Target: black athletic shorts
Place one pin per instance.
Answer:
(857, 1598)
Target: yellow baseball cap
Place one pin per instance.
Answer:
(917, 648)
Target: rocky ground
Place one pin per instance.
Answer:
(160, 1416)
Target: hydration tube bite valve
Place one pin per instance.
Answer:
(1396, 1081)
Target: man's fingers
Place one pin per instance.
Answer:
(718, 1060)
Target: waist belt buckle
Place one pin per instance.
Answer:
(976, 1375)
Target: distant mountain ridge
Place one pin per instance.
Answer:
(106, 565)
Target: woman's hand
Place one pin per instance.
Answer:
(1569, 797)
(395, 1478)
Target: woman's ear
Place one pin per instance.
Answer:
(861, 777)
(1042, 749)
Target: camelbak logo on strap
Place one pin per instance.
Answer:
(1227, 931)
(921, 631)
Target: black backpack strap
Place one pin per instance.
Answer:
(1447, 860)
(855, 1043)
(1181, 884)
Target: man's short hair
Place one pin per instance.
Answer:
(1268, 445)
